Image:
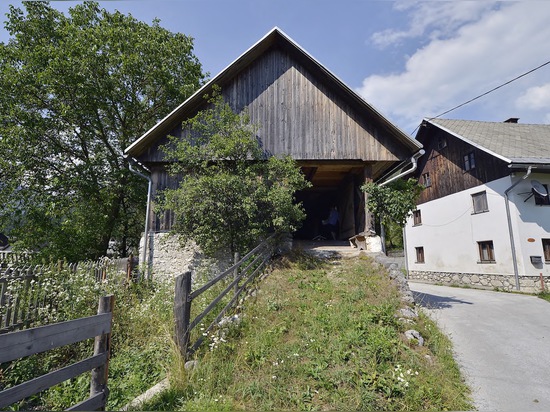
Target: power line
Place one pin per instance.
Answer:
(487, 92)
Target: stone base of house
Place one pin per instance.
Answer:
(527, 284)
(167, 258)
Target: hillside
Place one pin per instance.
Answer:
(320, 335)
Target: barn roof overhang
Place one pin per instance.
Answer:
(275, 38)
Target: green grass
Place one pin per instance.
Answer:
(545, 296)
(320, 335)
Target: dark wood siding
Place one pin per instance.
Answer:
(161, 180)
(445, 165)
(300, 116)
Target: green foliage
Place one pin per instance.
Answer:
(140, 344)
(76, 90)
(393, 202)
(230, 194)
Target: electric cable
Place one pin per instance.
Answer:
(486, 93)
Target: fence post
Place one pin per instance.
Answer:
(129, 268)
(182, 312)
(102, 344)
(236, 273)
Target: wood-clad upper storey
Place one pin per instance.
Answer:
(444, 164)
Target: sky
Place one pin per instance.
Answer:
(410, 59)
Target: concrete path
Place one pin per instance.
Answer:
(501, 342)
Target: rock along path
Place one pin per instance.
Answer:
(501, 342)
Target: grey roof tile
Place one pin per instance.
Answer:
(516, 142)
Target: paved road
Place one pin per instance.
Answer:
(501, 342)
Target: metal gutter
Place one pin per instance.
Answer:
(147, 176)
(414, 162)
(510, 228)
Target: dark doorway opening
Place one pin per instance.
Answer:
(334, 184)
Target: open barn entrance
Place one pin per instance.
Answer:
(334, 184)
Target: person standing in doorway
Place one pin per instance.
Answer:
(331, 224)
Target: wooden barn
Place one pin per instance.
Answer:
(303, 110)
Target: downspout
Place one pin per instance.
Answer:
(414, 162)
(414, 165)
(510, 229)
(149, 194)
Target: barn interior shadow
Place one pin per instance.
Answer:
(430, 301)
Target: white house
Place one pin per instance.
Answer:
(483, 219)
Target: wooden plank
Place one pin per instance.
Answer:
(214, 302)
(28, 342)
(230, 270)
(93, 403)
(199, 341)
(26, 389)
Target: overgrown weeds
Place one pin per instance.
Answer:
(140, 343)
(321, 335)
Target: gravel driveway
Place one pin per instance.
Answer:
(501, 342)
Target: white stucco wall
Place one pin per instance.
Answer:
(450, 231)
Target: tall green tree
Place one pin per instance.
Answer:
(76, 90)
(231, 193)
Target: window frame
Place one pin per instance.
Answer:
(486, 202)
(546, 249)
(469, 161)
(420, 257)
(426, 179)
(417, 217)
(490, 248)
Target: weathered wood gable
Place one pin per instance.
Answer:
(444, 162)
(300, 115)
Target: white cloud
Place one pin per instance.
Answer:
(505, 40)
(536, 98)
(433, 19)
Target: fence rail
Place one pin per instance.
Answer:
(244, 271)
(23, 298)
(37, 340)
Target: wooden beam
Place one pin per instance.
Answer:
(31, 341)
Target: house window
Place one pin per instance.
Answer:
(419, 254)
(541, 200)
(479, 201)
(417, 217)
(486, 251)
(441, 143)
(426, 180)
(469, 161)
(546, 249)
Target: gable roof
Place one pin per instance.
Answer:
(274, 38)
(515, 143)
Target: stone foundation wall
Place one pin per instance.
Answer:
(528, 284)
(170, 258)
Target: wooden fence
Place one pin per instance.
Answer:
(37, 340)
(24, 300)
(244, 271)
(14, 258)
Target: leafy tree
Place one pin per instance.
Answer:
(231, 193)
(391, 204)
(76, 90)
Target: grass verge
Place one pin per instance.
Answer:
(321, 335)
